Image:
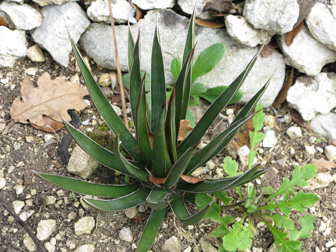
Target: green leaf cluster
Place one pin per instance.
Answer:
(238, 235)
(158, 161)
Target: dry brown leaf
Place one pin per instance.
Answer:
(50, 125)
(323, 165)
(138, 12)
(243, 138)
(209, 24)
(191, 180)
(283, 93)
(305, 7)
(184, 129)
(3, 22)
(158, 181)
(268, 49)
(51, 98)
(151, 139)
(299, 120)
(219, 6)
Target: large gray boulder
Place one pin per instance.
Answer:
(52, 34)
(97, 42)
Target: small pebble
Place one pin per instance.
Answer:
(18, 189)
(131, 212)
(2, 183)
(47, 137)
(49, 200)
(49, 247)
(104, 80)
(17, 206)
(31, 71)
(310, 150)
(269, 121)
(45, 228)
(84, 225)
(330, 152)
(125, 234)
(294, 132)
(329, 244)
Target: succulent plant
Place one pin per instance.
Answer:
(158, 160)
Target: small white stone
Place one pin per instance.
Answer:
(330, 152)
(60, 193)
(84, 225)
(210, 165)
(53, 241)
(270, 139)
(35, 54)
(131, 212)
(322, 179)
(2, 183)
(310, 150)
(49, 247)
(31, 71)
(333, 249)
(86, 248)
(29, 243)
(49, 200)
(229, 112)
(327, 231)
(105, 80)
(172, 245)
(116, 109)
(294, 132)
(17, 206)
(319, 149)
(257, 249)
(25, 215)
(269, 121)
(329, 244)
(47, 137)
(18, 189)
(45, 228)
(125, 234)
(323, 226)
(243, 153)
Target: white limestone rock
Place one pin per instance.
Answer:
(13, 46)
(52, 34)
(188, 7)
(23, 16)
(125, 234)
(330, 152)
(322, 179)
(49, 2)
(325, 125)
(270, 139)
(35, 54)
(313, 95)
(2, 183)
(154, 4)
(86, 248)
(173, 29)
(80, 163)
(272, 15)
(29, 243)
(84, 225)
(17, 206)
(243, 153)
(306, 54)
(172, 245)
(294, 132)
(45, 228)
(242, 32)
(321, 23)
(122, 11)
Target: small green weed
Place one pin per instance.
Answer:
(238, 235)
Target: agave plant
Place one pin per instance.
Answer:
(157, 159)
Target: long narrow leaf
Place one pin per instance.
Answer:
(142, 130)
(135, 79)
(156, 198)
(89, 188)
(179, 167)
(180, 210)
(151, 230)
(130, 48)
(102, 155)
(215, 108)
(201, 156)
(216, 185)
(105, 109)
(158, 84)
(133, 170)
(171, 128)
(131, 200)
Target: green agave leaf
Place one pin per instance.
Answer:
(161, 163)
(215, 185)
(171, 127)
(158, 84)
(178, 168)
(187, 50)
(102, 155)
(212, 94)
(214, 109)
(135, 80)
(131, 200)
(156, 198)
(142, 130)
(106, 110)
(89, 188)
(180, 210)
(175, 67)
(131, 169)
(207, 60)
(203, 155)
(151, 230)
(126, 80)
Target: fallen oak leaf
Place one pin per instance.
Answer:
(184, 129)
(323, 165)
(290, 36)
(191, 180)
(268, 49)
(50, 125)
(209, 24)
(281, 98)
(3, 22)
(51, 98)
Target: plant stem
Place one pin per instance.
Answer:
(121, 86)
